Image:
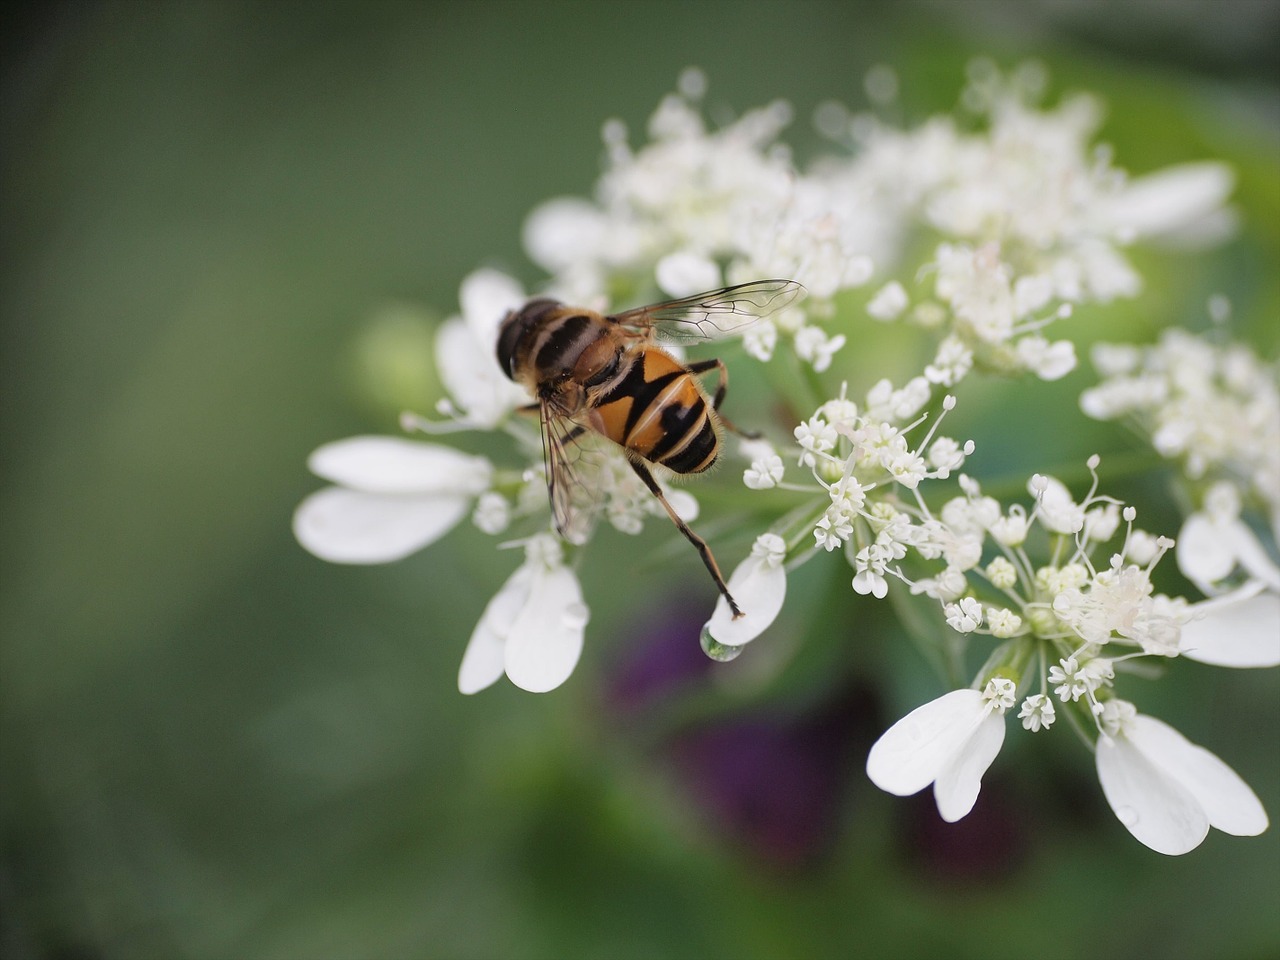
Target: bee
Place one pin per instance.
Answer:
(606, 375)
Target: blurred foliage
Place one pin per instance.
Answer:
(215, 745)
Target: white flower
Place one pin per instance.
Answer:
(815, 436)
(760, 340)
(532, 629)
(492, 513)
(764, 473)
(1002, 574)
(1168, 791)
(949, 742)
(1037, 713)
(393, 497)
(563, 231)
(951, 363)
(869, 566)
(965, 616)
(1076, 679)
(815, 347)
(889, 302)
(832, 529)
(759, 585)
(1048, 361)
(1003, 622)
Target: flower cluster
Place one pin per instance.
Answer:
(1073, 610)
(1019, 218)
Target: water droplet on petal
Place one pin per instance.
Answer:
(1127, 815)
(576, 615)
(716, 650)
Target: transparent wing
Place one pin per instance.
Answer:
(575, 504)
(711, 315)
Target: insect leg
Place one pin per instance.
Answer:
(722, 387)
(703, 550)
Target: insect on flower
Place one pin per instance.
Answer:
(605, 375)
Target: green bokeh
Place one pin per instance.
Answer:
(217, 216)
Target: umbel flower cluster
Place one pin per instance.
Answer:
(988, 234)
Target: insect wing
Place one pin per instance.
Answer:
(712, 315)
(574, 503)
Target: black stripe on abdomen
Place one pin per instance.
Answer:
(677, 422)
(697, 455)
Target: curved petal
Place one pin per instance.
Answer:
(1252, 554)
(957, 786)
(484, 660)
(914, 751)
(486, 295)
(546, 636)
(1203, 556)
(760, 588)
(1228, 801)
(350, 526)
(471, 374)
(395, 465)
(1153, 806)
(1244, 633)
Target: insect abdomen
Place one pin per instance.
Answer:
(656, 410)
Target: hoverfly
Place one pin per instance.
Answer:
(606, 375)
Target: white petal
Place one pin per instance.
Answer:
(957, 786)
(546, 637)
(914, 751)
(396, 465)
(760, 588)
(471, 374)
(486, 296)
(1243, 633)
(1227, 800)
(1153, 806)
(484, 660)
(1204, 556)
(1171, 198)
(1252, 554)
(351, 526)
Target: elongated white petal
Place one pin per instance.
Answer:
(484, 660)
(914, 751)
(1227, 800)
(1171, 199)
(957, 786)
(350, 526)
(1157, 809)
(396, 465)
(546, 637)
(760, 589)
(1243, 633)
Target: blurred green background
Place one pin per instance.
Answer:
(219, 219)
